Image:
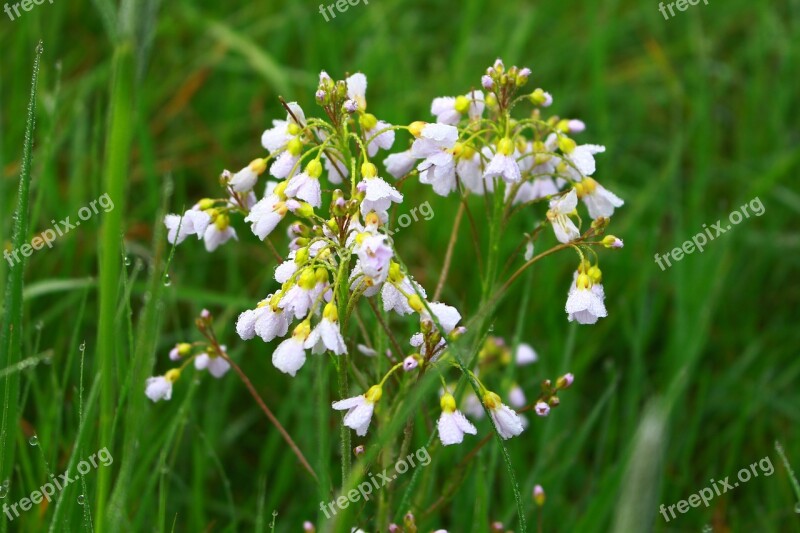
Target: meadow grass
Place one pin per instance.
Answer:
(148, 101)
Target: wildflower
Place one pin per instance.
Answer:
(516, 397)
(193, 222)
(410, 363)
(449, 110)
(181, 349)
(245, 179)
(452, 424)
(219, 232)
(327, 335)
(374, 257)
(400, 164)
(565, 381)
(584, 301)
(507, 421)
(436, 146)
(538, 495)
(558, 215)
(306, 184)
(394, 293)
(541, 408)
(266, 214)
(504, 163)
(277, 138)
(610, 241)
(359, 409)
(581, 156)
(160, 387)
(525, 355)
(216, 364)
(599, 201)
(447, 315)
(541, 97)
(290, 355)
(378, 195)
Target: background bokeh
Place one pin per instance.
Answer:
(692, 376)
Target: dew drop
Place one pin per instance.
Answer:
(127, 260)
(167, 281)
(3, 491)
(82, 347)
(6, 483)
(33, 441)
(81, 498)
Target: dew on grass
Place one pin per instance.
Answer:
(33, 441)
(81, 498)
(127, 260)
(3, 491)
(82, 347)
(167, 281)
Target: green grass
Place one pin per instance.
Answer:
(149, 101)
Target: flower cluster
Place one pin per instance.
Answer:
(321, 176)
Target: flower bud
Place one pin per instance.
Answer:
(173, 375)
(610, 241)
(538, 495)
(314, 168)
(448, 403)
(415, 128)
(565, 381)
(368, 170)
(368, 121)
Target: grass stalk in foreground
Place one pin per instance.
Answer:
(11, 334)
(118, 144)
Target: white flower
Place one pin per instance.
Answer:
(585, 301)
(400, 164)
(306, 188)
(600, 202)
(160, 387)
(265, 215)
(193, 222)
(560, 208)
(448, 110)
(270, 323)
(582, 156)
(504, 163)
(357, 89)
(217, 366)
(384, 139)
(218, 233)
(525, 355)
(244, 180)
(447, 315)
(468, 169)
(393, 298)
(359, 409)
(379, 196)
(327, 335)
(452, 424)
(290, 355)
(516, 397)
(276, 138)
(284, 165)
(542, 408)
(507, 421)
(334, 167)
(435, 146)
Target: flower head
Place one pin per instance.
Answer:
(359, 409)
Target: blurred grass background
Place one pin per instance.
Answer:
(698, 114)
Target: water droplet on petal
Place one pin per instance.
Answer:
(33, 441)
(81, 498)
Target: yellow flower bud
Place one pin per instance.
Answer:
(321, 275)
(184, 349)
(505, 146)
(596, 275)
(295, 146)
(374, 393)
(368, 170)
(205, 203)
(305, 210)
(566, 144)
(330, 312)
(416, 128)
(395, 274)
(258, 165)
(491, 400)
(314, 168)
(173, 375)
(563, 125)
(462, 104)
(583, 281)
(448, 403)
(293, 129)
(222, 221)
(368, 121)
(308, 279)
(302, 330)
(280, 189)
(301, 256)
(415, 303)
